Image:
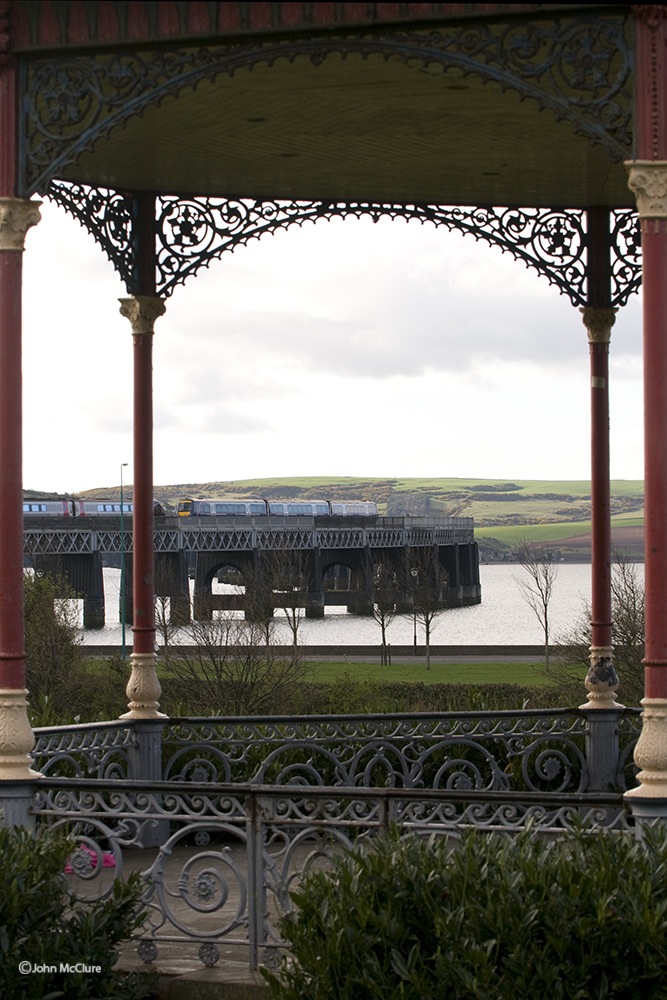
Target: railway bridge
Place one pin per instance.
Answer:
(320, 561)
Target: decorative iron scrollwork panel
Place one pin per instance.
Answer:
(578, 70)
(193, 232)
(231, 856)
(532, 751)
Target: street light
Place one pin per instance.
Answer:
(122, 566)
(414, 573)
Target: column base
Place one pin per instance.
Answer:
(601, 680)
(143, 688)
(16, 737)
(650, 796)
(16, 802)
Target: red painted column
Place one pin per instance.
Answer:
(602, 679)
(654, 248)
(16, 217)
(143, 688)
(648, 181)
(600, 487)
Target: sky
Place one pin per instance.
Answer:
(343, 348)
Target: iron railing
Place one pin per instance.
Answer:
(224, 816)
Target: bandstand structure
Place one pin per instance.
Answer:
(175, 132)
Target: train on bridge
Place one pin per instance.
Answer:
(190, 507)
(282, 508)
(64, 507)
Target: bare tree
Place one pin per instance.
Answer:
(429, 588)
(168, 600)
(537, 585)
(284, 583)
(572, 650)
(230, 669)
(381, 586)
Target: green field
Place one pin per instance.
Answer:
(513, 534)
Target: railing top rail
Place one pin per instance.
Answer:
(527, 713)
(286, 720)
(77, 727)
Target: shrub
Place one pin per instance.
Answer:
(492, 917)
(42, 924)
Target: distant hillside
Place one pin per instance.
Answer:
(557, 512)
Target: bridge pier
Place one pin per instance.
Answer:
(471, 588)
(360, 604)
(315, 605)
(126, 591)
(172, 581)
(315, 595)
(94, 610)
(82, 572)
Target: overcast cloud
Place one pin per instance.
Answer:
(344, 348)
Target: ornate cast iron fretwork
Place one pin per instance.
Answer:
(579, 70)
(626, 256)
(194, 232)
(110, 218)
(535, 751)
(257, 802)
(232, 855)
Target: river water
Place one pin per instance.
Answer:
(503, 617)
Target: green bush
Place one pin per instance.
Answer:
(44, 926)
(490, 916)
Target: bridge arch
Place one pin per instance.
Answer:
(209, 596)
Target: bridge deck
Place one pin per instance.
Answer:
(67, 536)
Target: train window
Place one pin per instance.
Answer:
(230, 508)
(257, 508)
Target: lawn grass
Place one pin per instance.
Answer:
(524, 674)
(326, 672)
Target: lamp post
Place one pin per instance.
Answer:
(414, 573)
(122, 566)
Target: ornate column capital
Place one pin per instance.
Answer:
(17, 215)
(647, 179)
(651, 15)
(142, 312)
(598, 321)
